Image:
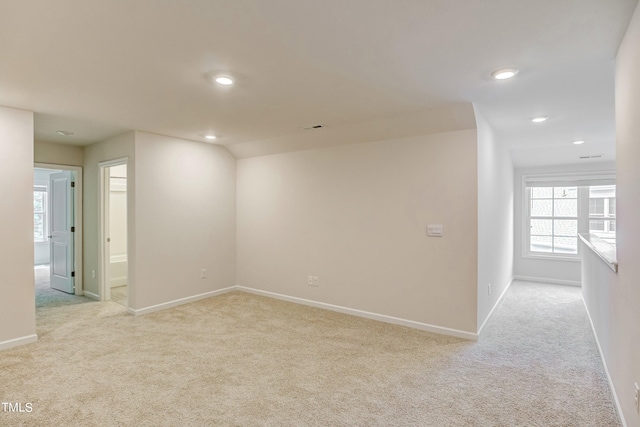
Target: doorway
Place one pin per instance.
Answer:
(114, 234)
(57, 210)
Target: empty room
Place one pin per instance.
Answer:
(281, 213)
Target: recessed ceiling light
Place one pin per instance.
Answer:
(578, 142)
(64, 132)
(505, 73)
(540, 119)
(224, 80)
(210, 137)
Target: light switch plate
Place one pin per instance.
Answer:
(435, 230)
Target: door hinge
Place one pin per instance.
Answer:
(73, 184)
(73, 229)
(73, 274)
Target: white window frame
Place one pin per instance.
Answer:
(582, 181)
(606, 218)
(45, 215)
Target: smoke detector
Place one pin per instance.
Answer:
(314, 127)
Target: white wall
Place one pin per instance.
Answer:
(495, 218)
(560, 271)
(58, 154)
(618, 325)
(597, 281)
(186, 218)
(17, 308)
(356, 217)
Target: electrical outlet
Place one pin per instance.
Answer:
(489, 289)
(312, 280)
(203, 273)
(637, 398)
(315, 280)
(93, 274)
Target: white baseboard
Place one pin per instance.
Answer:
(91, 295)
(4, 345)
(181, 301)
(360, 313)
(606, 370)
(495, 305)
(118, 281)
(549, 281)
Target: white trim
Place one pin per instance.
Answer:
(118, 258)
(360, 313)
(606, 370)
(549, 281)
(114, 162)
(92, 295)
(77, 219)
(116, 185)
(345, 310)
(5, 345)
(181, 301)
(570, 179)
(495, 305)
(116, 282)
(551, 257)
(104, 281)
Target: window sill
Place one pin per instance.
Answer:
(570, 258)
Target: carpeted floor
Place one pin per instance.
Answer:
(244, 360)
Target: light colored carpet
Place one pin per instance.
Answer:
(244, 360)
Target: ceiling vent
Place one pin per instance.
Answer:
(314, 127)
(595, 156)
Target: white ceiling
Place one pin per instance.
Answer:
(368, 69)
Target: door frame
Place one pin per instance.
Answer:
(77, 215)
(103, 207)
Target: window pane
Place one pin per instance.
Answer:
(38, 201)
(565, 245)
(541, 227)
(541, 193)
(565, 192)
(541, 244)
(612, 206)
(38, 227)
(566, 208)
(596, 226)
(565, 227)
(541, 208)
(596, 207)
(613, 226)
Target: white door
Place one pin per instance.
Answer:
(61, 231)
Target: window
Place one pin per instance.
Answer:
(40, 213)
(559, 207)
(554, 220)
(602, 211)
